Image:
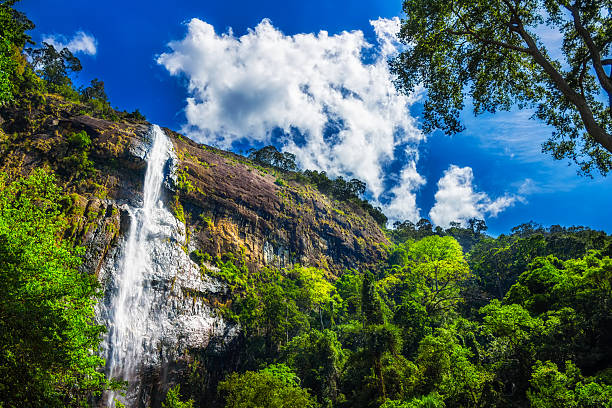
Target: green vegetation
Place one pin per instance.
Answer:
(338, 188)
(518, 320)
(451, 318)
(269, 156)
(25, 81)
(76, 162)
(182, 181)
(271, 387)
(13, 25)
(490, 53)
(48, 339)
(173, 399)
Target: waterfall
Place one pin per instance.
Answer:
(154, 306)
(130, 331)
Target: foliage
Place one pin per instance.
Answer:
(452, 318)
(428, 272)
(264, 389)
(270, 156)
(76, 162)
(343, 190)
(338, 188)
(54, 65)
(47, 334)
(413, 335)
(467, 236)
(448, 368)
(432, 400)
(491, 53)
(13, 25)
(26, 75)
(552, 388)
(173, 399)
(317, 357)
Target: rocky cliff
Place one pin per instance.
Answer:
(234, 205)
(220, 203)
(230, 204)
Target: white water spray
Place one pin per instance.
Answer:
(149, 310)
(130, 331)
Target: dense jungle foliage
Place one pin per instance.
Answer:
(519, 320)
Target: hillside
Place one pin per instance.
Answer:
(231, 204)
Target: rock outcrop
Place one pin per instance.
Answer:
(222, 203)
(237, 206)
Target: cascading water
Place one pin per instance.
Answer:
(154, 304)
(130, 332)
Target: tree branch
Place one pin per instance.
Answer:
(467, 31)
(581, 77)
(490, 42)
(604, 79)
(592, 127)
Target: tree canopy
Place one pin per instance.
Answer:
(13, 25)
(48, 339)
(493, 53)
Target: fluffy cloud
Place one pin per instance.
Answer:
(403, 205)
(457, 199)
(331, 97)
(81, 42)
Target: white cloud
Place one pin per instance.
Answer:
(528, 186)
(457, 199)
(80, 42)
(403, 205)
(242, 88)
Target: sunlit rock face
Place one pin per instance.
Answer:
(159, 309)
(236, 206)
(156, 299)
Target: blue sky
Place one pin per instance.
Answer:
(246, 89)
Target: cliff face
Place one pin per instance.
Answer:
(221, 203)
(234, 205)
(231, 205)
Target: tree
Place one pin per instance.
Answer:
(270, 156)
(53, 65)
(371, 309)
(95, 90)
(313, 290)
(491, 52)
(268, 388)
(551, 388)
(173, 399)
(447, 368)
(574, 299)
(48, 337)
(317, 357)
(437, 267)
(13, 25)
